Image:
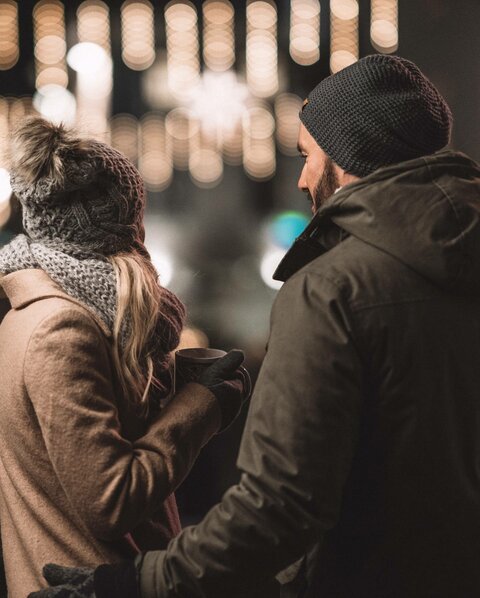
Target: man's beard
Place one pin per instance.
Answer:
(326, 186)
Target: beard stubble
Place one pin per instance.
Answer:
(326, 186)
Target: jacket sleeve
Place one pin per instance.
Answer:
(295, 455)
(112, 483)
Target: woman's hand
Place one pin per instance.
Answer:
(229, 382)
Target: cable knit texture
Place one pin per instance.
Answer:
(74, 221)
(378, 111)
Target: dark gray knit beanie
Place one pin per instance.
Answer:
(378, 111)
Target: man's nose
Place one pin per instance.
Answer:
(302, 184)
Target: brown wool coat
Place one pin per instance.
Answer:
(82, 480)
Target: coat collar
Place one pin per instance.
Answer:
(27, 286)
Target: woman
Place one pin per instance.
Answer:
(88, 461)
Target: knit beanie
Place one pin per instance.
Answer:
(75, 191)
(378, 111)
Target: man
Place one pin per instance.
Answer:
(360, 457)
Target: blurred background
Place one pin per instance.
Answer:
(204, 98)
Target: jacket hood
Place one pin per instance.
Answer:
(424, 212)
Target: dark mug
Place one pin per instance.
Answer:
(190, 363)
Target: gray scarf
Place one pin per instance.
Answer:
(84, 275)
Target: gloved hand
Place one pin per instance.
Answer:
(230, 382)
(66, 582)
(106, 581)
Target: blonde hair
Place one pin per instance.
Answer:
(139, 298)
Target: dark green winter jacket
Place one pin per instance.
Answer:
(362, 445)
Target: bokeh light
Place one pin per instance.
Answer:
(286, 227)
(183, 55)
(269, 262)
(155, 156)
(344, 49)
(262, 48)
(258, 143)
(93, 87)
(19, 108)
(56, 104)
(218, 34)
(93, 23)
(305, 31)
(9, 46)
(287, 108)
(206, 167)
(163, 264)
(88, 57)
(181, 130)
(384, 25)
(124, 135)
(138, 34)
(50, 45)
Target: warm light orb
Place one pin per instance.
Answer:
(93, 23)
(258, 143)
(138, 34)
(344, 9)
(219, 101)
(341, 59)
(344, 44)
(87, 57)
(55, 103)
(206, 167)
(262, 48)
(181, 129)
(163, 264)
(305, 31)
(218, 34)
(183, 54)
(124, 135)
(384, 25)
(50, 43)
(287, 108)
(155, 153)
(9, 46)
(270, 260)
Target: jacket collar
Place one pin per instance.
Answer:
(27, 286)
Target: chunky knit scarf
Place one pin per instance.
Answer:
(86, 276)
(89, 277)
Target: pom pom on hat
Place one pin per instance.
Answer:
(76, 190)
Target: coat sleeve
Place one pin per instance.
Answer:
(295, 455)
(112, 483)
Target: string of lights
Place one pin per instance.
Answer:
(206, 115)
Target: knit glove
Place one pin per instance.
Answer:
(230, 383)
(66, 582)
(106, 581)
